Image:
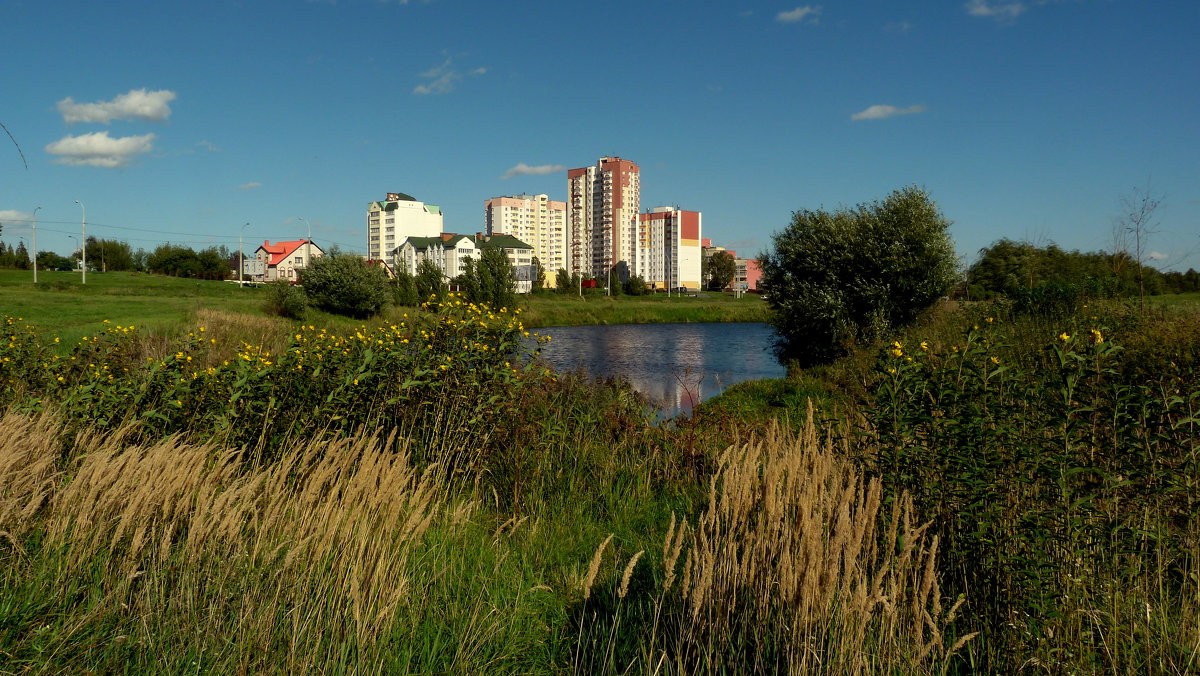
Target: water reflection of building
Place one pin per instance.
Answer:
(665, 363)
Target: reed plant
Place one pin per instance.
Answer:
(174, 556)
(796, 564)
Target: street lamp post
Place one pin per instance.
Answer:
(35, 244)
(241, 255)
(83, 239)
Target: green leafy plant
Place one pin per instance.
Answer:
(838, 278)
(284, 299)
(346, 285)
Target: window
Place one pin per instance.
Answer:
(299, 260)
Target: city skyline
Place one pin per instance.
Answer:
(1025, 119)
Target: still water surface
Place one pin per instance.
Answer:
(675, 365)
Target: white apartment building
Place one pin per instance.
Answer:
(669, 246)
(400, 216)
(603, 202)
(536, 220)
(449, 253)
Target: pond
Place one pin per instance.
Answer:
(675, 365)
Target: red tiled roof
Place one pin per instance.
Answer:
(280, 250)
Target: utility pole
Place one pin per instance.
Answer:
(83, 240)
(35, 244)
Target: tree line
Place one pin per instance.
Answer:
(1026, 272)
(107, 255)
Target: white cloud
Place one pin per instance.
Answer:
(1001, 11)
(100, 150)
(249, 186)
(137, 104)
(443, 78)
(898, 27)
(14, 216)
(880, 112)
(208, 146)
(800, 14)
(522, 169)
(1157, 256)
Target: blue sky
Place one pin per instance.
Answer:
(1026, 119)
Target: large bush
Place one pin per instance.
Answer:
(285, 300)
(836, 278)
(346, 285)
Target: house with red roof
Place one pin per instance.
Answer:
(286, 260)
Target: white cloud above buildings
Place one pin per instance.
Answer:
(136, 104)
(522, 169)
(880, 112)
(98, 149)
(805, 13)
(250, 186)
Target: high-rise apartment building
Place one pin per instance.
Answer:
(669, 251)
(536, 220)
(603, 202)
(399, 216)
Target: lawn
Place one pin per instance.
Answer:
(60, 303)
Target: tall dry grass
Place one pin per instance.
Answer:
(295, 567)
(796, 565)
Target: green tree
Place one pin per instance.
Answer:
(21, 258)
(429, 280)
(345, 285)
(404, 289)
(539, 277)
(48, 260)
(563, 283)
(616, 278)
(720, 270)
(636, 286)
(168, 259)
(497, 285)
(468, 282)
(837, 278)
(107, 254)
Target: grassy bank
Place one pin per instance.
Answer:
(60, 303)
(213, 509)
(555, 310)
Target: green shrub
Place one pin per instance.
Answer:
(346, 285)
(285, 300)
(839, 278)
(636, 286)
(404, 289)
(429, 280)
